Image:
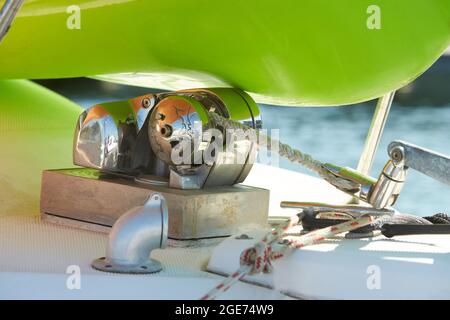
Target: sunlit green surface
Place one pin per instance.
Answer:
(314, 52)
(36, 132)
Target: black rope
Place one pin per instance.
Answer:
(398, 224)
(439, 218)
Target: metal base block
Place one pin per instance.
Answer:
(151, 266)
(85, 198)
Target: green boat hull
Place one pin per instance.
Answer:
(297, 52)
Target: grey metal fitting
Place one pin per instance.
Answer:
(134, 236)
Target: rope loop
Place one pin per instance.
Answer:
(259, 257)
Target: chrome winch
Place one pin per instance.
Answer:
(165, 143)
(170, 135)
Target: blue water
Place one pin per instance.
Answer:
(337, 135)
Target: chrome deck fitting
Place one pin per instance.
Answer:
(134, 236)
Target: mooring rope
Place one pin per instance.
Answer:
(286, 151)
(259, 257)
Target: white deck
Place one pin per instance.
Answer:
(34, 257)
(407, 267)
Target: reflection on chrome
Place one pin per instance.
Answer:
(140, 136)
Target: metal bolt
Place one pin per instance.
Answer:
(147, 102)
(397, 154)
(166, 131)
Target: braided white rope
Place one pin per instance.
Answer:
(259, 257)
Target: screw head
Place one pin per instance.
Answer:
(397, 154)
(147, 102)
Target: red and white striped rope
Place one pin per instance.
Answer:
(247, 268)
(258, 258)
(319, 235)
